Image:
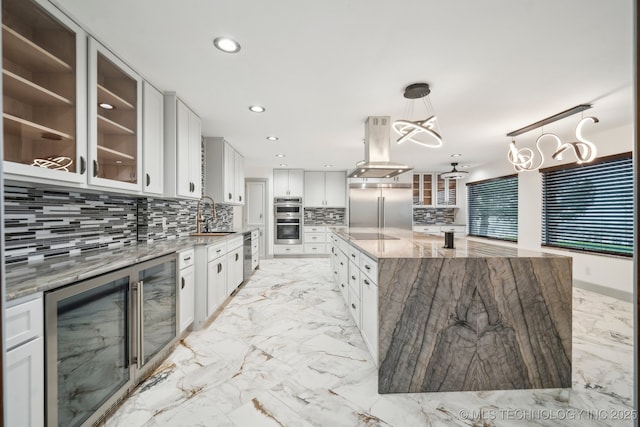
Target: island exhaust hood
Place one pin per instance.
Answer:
(376, 162)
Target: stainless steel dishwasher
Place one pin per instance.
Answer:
(246, 257)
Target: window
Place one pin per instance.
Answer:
(493, 208)
(590, 207)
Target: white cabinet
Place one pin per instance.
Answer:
(25, 362)
(325, 189)
(44, 85)
(224, 172)
(187, 289)
(356, 274)
(239, 178)
(423, 189)
(255, 249)
(115, 121)
(182, 150)
(234, 263)
(315, 240)
(217, 276)
(152, 139)
(288, 182)
(446, 192)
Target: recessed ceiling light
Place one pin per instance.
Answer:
(456, 155)
(283, 165)
(106, 106)
(280, 155)
(226, 44)
(257, 108)
(328, 166)
(272, 138)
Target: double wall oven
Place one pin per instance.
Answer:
(288, 220)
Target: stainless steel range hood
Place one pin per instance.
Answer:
(376, 162)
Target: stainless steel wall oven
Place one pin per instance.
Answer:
(103, 335)
(288, 220)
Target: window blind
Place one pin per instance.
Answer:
(590, 207)
(493, 208)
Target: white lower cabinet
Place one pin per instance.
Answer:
(234, 264)
(356, 275)
(25, 362)
(288, 249)
(187, 294)
(216, 283)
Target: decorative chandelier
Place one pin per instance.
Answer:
(420, 131)
(525, 159)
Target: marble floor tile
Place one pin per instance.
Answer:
(285, 352)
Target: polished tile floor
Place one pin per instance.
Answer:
(285, 352)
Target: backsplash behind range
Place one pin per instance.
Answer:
(45, 223)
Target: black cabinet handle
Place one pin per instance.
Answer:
(353, 255)
(187, 258)
(240, 198)
(95, 168)
(219, 267)
(183, 283)
(341, 263)
(342, 284)
(367, 267)
(230, 196)
(218, 251)
(366, 282)
(236, 257)
(353, 305)
(148, 180)
(353, 277)
(83, 165)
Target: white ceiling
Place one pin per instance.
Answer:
(321, 67)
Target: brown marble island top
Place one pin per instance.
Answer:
(398, 243)
(23, 279)
(477, 317)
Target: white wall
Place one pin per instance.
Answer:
(615, 273)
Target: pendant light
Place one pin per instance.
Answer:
(420, 131)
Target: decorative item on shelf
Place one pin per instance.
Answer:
(420, 131)
(58, 163)
(524, 159)
(454, 173)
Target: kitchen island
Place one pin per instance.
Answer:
(480, 316)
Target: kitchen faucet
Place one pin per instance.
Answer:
(199, 218)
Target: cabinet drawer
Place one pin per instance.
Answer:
(255, 261)
(315, 248)
(185, 258)
(255, 234)
(216, 250)
(354, 255)
(288, 250)
(314, 237)
(24, 322)
(369, 267)
(426, 229)
(255, 246)
(314, 229)
(458, 229)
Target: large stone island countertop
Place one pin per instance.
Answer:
(477, 317)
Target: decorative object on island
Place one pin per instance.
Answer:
(421, 131)
(524, 159)
(454, 173)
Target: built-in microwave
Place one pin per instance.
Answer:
(288, 220)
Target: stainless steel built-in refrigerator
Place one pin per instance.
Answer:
(380, 205)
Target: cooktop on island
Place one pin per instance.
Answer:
(371, 236)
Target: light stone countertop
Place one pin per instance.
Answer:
(411, 244)
(23, 279)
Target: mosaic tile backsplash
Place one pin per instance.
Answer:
(426, 216)
(324, 216)
(46, 223)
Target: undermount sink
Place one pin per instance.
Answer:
(213, 233)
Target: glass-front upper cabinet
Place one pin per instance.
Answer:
(44, 93)
(447, 192)
(115, 120)
(423, 189)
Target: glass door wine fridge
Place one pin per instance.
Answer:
(103, 335)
